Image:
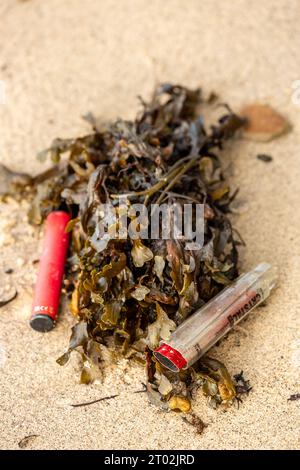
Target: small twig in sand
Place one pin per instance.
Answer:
(143, 390)
(94, 401)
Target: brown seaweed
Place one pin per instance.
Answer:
(129, 294)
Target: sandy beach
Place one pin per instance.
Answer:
(59, 60)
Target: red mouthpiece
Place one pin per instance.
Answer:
(170, 357)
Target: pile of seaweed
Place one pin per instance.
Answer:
(129, 294)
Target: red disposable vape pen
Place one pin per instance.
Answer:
(51, 271)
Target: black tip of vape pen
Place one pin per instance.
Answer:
(42, 323)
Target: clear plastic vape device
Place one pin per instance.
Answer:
(209, 324)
